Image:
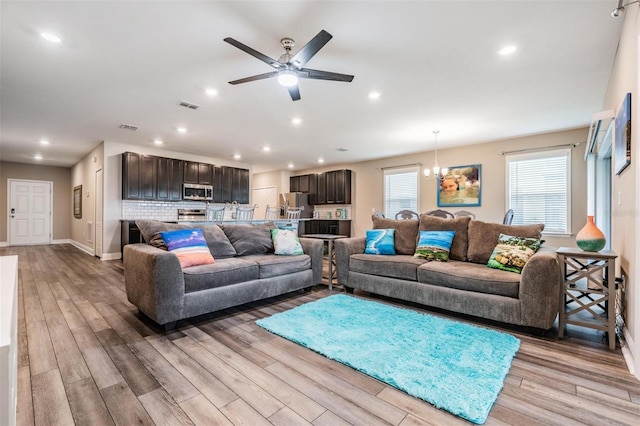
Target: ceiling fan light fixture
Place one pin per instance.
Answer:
(287, 78)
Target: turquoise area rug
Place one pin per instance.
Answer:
(454, 366)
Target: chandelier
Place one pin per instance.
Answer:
(436, 168)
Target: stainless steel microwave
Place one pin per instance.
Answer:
(192, 191)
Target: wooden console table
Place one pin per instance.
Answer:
(589, 288)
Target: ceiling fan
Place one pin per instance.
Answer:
(290, 68)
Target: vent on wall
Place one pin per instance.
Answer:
(89, 232)
(188, 105)
(128, 127)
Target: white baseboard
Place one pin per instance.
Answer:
(4, 244)
(86, 249)
(111, 256)
(64, 241)
(628, 354)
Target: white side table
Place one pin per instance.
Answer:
(588, 294)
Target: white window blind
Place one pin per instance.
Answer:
(538, 189)
(400, 190)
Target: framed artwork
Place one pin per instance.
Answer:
(77, 202)
(622, 141)
(460, 186)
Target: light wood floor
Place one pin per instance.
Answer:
(87, 357)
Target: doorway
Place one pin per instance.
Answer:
(29, 215)
(264, 197)
(97, 249)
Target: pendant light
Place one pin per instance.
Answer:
(436, 168)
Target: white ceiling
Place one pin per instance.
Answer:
(434, 62)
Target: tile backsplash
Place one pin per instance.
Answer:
(324, 210)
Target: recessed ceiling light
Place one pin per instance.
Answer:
(507, 50)
(51, 37)
(296, 121)
(374, 95)
(237, 156)
(321, 160)
(266, 149)
(182, 130)
(44, 142)
(211, 92)
(290, 165)
(37, 157)
(158, 142)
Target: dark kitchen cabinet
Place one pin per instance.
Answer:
(139, 176)
(306, 184)
(170, 175)
(342, 189)
(331, 187)
(231, 184)
(332, 227)
(199, 173)
(294, 184)
(321, 188)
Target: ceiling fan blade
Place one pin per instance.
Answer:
(255, 77)
(310, 49)
(294, 91)
(264, 58)
(323, 75)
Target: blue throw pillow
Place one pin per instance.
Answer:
(189, 245)
(380, 241)
(434, 245)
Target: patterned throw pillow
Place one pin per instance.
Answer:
(434, 245)
(189, 245)
(512, 253)
(380, 241)
(286, 242)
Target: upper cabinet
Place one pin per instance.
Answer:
(332, 187)
(199, 173)
(233, 185)
(139, 176)
(170, 173)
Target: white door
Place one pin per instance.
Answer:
(29, 212)
(98, 214)
(263, 197)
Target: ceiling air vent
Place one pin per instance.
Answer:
(188, 105)
(128, 127)
(342, 149)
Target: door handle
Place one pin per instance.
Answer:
(13, 213)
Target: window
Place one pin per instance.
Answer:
(400, 190)
(538, 189)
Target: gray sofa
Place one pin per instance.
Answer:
(464, 284)
(245, 270)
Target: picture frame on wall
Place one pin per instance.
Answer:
(622, 140)
(77, 202)
(460, 186)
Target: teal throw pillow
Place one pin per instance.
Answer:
(434, 245)
(189, 246)
(512, 253)
(286, 242)
(380, 241)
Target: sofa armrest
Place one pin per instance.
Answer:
(315, 249)
(154, 282)
(540, 288)
(344, 248)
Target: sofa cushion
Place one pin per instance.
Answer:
(274, 266)
(380, 241)
(249, 239)
(189, 246)
(401, 266)
(406, 232)
(218, 243)
(512, 253)
(458, 224)
(434, 245)
(223, 272)
(470, 277)
(483, 237)
(286, 242)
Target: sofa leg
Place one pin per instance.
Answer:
(348, 289)
(170, 326)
